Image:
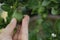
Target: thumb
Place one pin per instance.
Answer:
(11, 26)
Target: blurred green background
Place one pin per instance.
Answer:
(44, 17)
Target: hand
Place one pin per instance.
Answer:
(6, 33)
(22, 30)
(21, 34)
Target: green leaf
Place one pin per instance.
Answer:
(33, 4)
(56, 1)
(46, 2)
(41, 9)
(47, 27)
(44, 15)
(2, 23)
(57, 25)
(32, 36)
(54, 11)
(17, 15)
(9, 2)
(5, 7)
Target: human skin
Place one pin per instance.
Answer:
(22, 32)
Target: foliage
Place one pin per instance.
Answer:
(45, 28)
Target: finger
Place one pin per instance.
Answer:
(24, 29)
(10, 27)
(15, 36)
(19, 31)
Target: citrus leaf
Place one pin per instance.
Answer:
(17, 15)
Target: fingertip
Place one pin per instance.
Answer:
(13, 20)
(26, 17)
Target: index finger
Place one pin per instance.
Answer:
(10, 27)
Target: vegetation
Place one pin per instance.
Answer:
(45, 19)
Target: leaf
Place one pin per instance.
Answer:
(57, 25)
(54, 11)
(33, 4)
(32, 36)
(56, 1)
(9, 2)
(47, 28)
(5, 7)
(17, 15)
(44, 15)
(41, 9)
(2, 23)
(46, 2)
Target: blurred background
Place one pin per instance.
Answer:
(44, 17)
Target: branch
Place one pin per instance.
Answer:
(53, 17)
